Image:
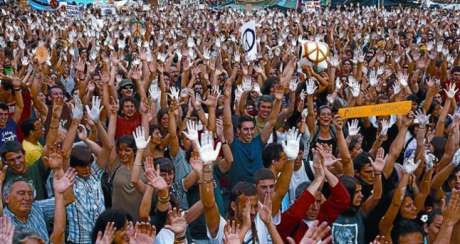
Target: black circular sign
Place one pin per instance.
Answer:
(249, 39)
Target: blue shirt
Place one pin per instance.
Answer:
(8, 133)
(88, 205)
(41, 214)
(247, 159)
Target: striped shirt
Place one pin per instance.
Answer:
(88, 205)
(41, 214)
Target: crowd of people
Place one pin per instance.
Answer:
(153, 127)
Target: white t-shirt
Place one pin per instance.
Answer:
(298, 177)
(262, 231)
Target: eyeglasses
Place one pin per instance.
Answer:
(128, 87)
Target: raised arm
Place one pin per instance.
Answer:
(60, 185)
(268, 129)
(386, 223)
(376, 195)
(397, 146)
(345, 156)
(450, 222)
(228, 125)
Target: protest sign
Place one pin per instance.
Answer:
(73, 10)
(248, 40)
(397, 108)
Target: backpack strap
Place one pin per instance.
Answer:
(114, 172)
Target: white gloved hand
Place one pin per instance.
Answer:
(192, 132)
(385, 126)
(95, 110)
(373, 78)
(451, 90)
(354, 86)
(291, 145)
(353, 128)
(206, 148)
(155, 92)
(139, 138)
(421, 118)
(311, 87)
(409, 165)
(403, 79)
(77, 109)
(174, 93)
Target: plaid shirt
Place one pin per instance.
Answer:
(88, 205)
(41, 214)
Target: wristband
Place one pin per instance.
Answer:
(17, 89)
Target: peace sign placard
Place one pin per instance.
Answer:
(248, 40)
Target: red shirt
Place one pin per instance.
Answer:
(125, 126)
(292, 223)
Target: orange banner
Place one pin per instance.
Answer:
(383, 109)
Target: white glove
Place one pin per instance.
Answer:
(353, 128)
(456, 158)
(291, 145)
(373, 78)
(247, 84)
(162, 57)
(305, 113)
(311, 87)
(451, 90)
(338, 84)
(334, 61)
(206, 148)
(385, 126)
(439, 46)
(396, 88)
(190, 42)
(77, 109)
(237, 57)
(409, 166)
(174, 93)
(192, 132)
(95, 110)
(421, 118)
(155, 92)
(139, 138)
(293, 85)
(354, 85)
(403, 79)
(429, 160)
(380, 70)
(206, 54)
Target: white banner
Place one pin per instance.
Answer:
(73, 10)
(248, 40)
(108, 10)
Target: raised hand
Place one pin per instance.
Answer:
(354, 86)
(265, 209)
(174, 93)
(6, 230)
(315, 234)
(409, 165)
(293, 85)
(379, 163)
(206, 148)
(326, 154)
(353, 128)
(451, 90)
(452, 213)
(154, 178)
(385, 126)
(177, 222)
(373, 78)
(139, 138)
(396, 88)
(232, 233)
(403, 79)
(53, 156)
(192, 132)
(107, 236)
(77, 109)
(66, 181)
(95, 110)
(154, 92)
(338, 84)
(334, 61)
(430, 159)
(142, 233)
(291, 145)
(421, 118)
(311, 87)
(247, 84)
(3, 174)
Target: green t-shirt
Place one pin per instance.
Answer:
(36, 174)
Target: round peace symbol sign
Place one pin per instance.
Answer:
(249, 39)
